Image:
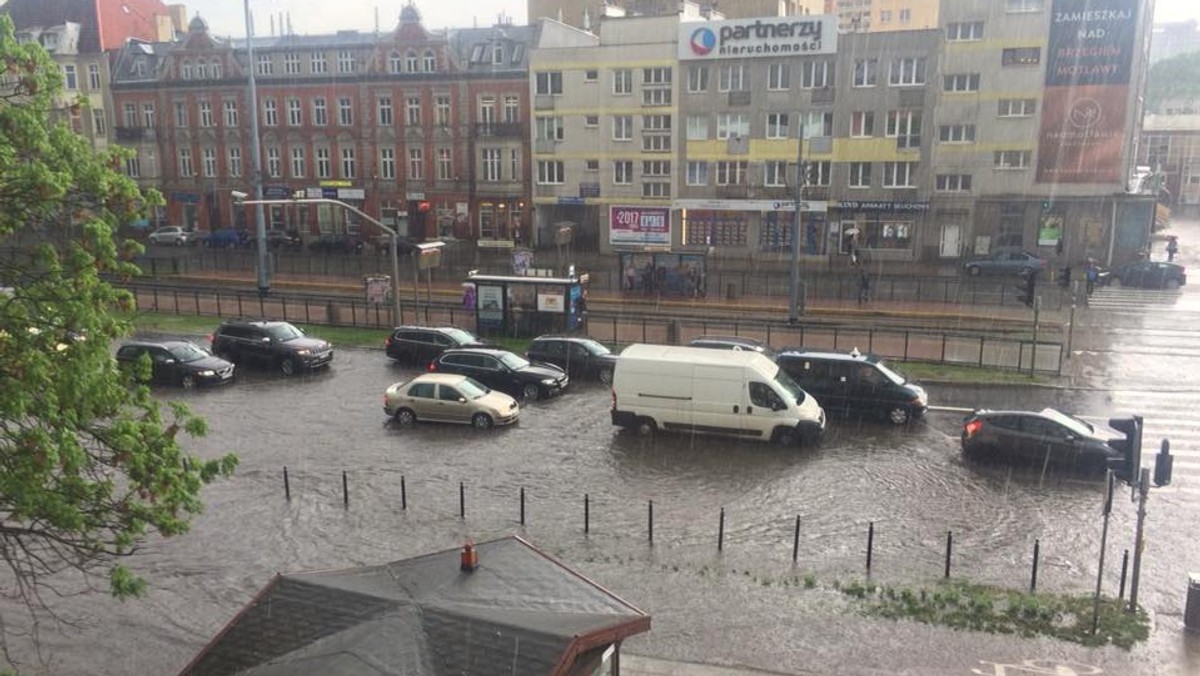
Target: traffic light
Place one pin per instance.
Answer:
(1028, 286)
(1162, 464)
(1129, 465)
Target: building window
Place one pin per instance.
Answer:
(697, 173)
(429, 61)
(270, 112)
(514, 164)
(550, 172)
(1021, 56)
(732, 78)
(216, 69)
(317, 65)
(133, 167)
(549, 129)
(963, 82)
(622, 172)
(697, 79)
(622, 81)
(815, 74)
(93, 77)
(656, 169)
(622, 128)
(186, 170)
(777, 125)
(1017, 107)
(656, 189)
(732, 172)
(445, 164)
(656, 97)
(953, 183)
(818, 174)
(274, 162)
(324, 165)
(774, 174)
(70, 77)
(591, 166)
(591, 121)
(295, 118)
(131, 116)
(697, 128)
(490, 160)
(235, 161)
(905, 127)
(899, 174)
(1023, 5)
(656, 77)
(487, 111)
(202, 69)
(862, 124)
(905, 15)
(860, 175)
(652, 123)
(206, 114)
(348, 164)
(732, 124)
(264, 66)
(512, 109)
(817, 123)
(591, 75)
(320, 112)
(956, 133)
(441, 111)
(885, 16)
(779, 76)
(548, 83)
(1012, 159)
(395, 63)
(231, 113)
(148, 115)
(656, 144)
(413, 111)
(907, 71)
(345, 112)
(99, 127)
(346, 61)
(298, 162)
(185, 70)
(888, 234)
(181, 114)
(866, 72)
(965, 31)
(384, 109)
(291, 63)
(209, 162)
(416, 164)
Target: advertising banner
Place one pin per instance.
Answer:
(1083, 131)
(1091, 42)
(769, 36)
(639, 225)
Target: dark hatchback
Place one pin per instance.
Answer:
(422, 344)
(503, 370)
(178, 362)
(1039, 438)
(854, 384)
(581, 357)
(1146, 275)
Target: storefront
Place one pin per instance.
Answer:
(752, 225)
(885, 230)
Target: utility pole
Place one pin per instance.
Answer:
(801, 178)
(260, 221)
(1143, 490)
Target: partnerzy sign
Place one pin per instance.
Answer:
(770, 36)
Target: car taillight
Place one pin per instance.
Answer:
(432, 366)
(388, 342)
(972, 427)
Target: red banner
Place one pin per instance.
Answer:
(1083, 131)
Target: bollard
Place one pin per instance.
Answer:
(870, 545)
(462, 501)
(1037, 549)
(1124, 569)
(522, 505)
(586, 514)
(796, 540)
(721, 531)
(650, 520)
(287, 488)
(403, 495)
(345, 490)
(949, 547)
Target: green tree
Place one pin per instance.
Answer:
(1175, 78)
(90, 464)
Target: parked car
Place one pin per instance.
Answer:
(270, 343)
(281, 240)
(336, 243)
(178, 362)
(851, 383)
(733, 343)
(450, 398)
(1146, 275)
(225, 238)
(579, 356)
(502, 370)
(422, 344)
(171, 234)
(1043, 437)
(1006, 262)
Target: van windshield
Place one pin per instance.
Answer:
(892, 375)
(785, 381)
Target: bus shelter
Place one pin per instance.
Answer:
(523, 307)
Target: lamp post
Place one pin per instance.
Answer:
(794, 304)
(240, 197)
(260, 221)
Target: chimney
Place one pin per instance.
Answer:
(469, 558)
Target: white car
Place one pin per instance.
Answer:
(170, 234)
(449, 397)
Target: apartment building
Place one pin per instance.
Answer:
(426, 130)
(1170, 146)
(587, 14)
(1036, 126)
(868, 16)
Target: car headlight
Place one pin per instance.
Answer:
(207, 373)
(303, 353)
(548, 381)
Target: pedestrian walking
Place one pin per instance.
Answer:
(864, 287)
(1172, 248)
(1092, 274)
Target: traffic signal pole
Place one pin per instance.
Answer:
(1143, 489)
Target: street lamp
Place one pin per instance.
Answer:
(801, 177)
(260, 224)
(240, 197)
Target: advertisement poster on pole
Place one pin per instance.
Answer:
(491, 306)
(631, 225)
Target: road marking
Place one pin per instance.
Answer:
(1038, 667)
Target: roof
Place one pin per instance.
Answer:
(519, 612)
(693, 355)
(853, 355)
(437, 377)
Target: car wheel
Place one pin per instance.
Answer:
(288, 366)
(786, 436)
(898, 415)
(605, 376)
(645, 427)
(405, 417)
(188, 382)
(1172, 284)
(481, 421)
(974, 270)
(531, 392)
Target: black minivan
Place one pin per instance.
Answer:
(854, 384)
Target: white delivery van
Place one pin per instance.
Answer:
(726, 392)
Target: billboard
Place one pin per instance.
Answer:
(1091, 42)
(769, 36)
(639, 226)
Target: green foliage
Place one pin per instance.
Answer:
(90, 465)
(1175, 78)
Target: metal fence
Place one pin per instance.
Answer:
(620, 328)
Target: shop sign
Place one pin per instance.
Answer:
(351, 194)
(881, 205)
(806, 206)
(768, 36)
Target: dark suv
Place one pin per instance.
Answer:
(851, 383)
(503, 370)
(270, 343)
(422, 344)
(579, 356)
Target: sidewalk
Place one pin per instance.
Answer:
(636, 665)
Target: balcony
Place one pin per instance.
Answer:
(544, 102)
(825, 95)
(912, 98)
(499, 130)
(908, 143)
(739, 98)
(130, 133)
